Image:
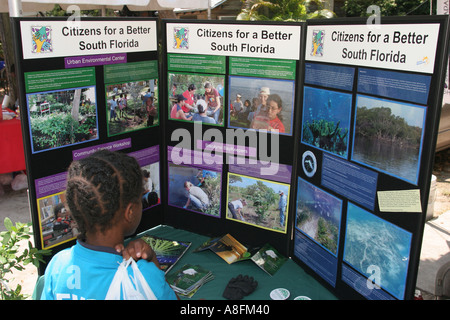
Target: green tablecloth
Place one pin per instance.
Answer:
(290, 276)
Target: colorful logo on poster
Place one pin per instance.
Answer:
(423, 61)
(180, 38)
(317, 43)
(42, 39)
(309, 163)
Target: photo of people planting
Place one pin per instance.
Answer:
(258, 202)
(132, 106)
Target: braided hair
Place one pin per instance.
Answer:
(101, 185)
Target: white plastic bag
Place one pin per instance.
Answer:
(127, 287)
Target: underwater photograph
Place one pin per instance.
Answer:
(387, 249)
(326, 120)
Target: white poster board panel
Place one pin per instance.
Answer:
(257, 41)
(406, 47)
(52, 39)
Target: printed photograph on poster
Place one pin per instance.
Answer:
(261, 104)
(326, 120)
(258, 202)
(148, 159)
(385, 251)
(57, 225)
(62, 118)
(132, 106)
(152, 193)
(318, 215)
(195, 188)
(196, 97)
(388, 136)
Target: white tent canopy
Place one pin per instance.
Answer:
(27, 6)
(12, 6)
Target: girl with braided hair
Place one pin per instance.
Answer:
(104, 196)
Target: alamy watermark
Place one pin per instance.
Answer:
(237, 147)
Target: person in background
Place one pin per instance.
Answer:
(274, 107)
(177, 110)
(238, 106)
(212, 98)
(196, 196)
(201, 115)
(151, 111)
(189, 94)
(282, 203)
(236, 208)
(112, 108)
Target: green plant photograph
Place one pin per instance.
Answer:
(62, 118)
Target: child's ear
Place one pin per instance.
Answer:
(128, 214)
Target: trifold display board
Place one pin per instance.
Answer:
(315, 137)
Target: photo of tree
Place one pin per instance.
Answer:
(132, 106)
(388, 136)
(258, 202)
(62, 118)
(326, 120)
(318, 215)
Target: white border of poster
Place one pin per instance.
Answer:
(258, 41)
(52, 39)
(405, 47)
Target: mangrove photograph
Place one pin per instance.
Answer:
(326, 120)
(388, 136)
(62, 118)
(318, 215)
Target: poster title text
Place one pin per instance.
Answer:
(116, 43)
(397, 37)
(247, 47)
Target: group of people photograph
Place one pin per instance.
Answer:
(260, 104)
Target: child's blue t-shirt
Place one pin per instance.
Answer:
(80, 273)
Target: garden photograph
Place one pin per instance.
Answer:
(62, 118)
(132, 106)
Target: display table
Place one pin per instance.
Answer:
(290, 276)
(12, 156)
